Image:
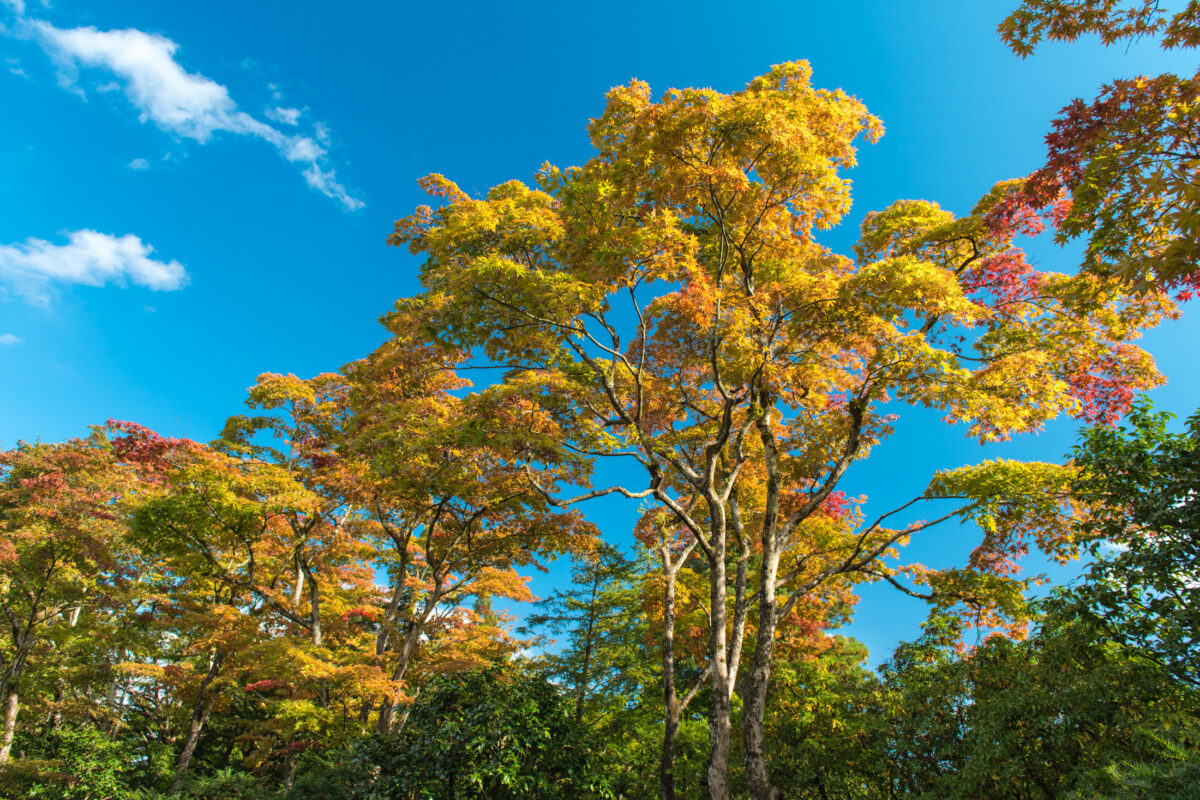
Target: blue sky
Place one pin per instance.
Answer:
(194, 193)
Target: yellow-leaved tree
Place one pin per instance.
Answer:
(668, 305)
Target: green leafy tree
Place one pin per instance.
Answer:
(591, 615)
(1044, 718)
(489, 734)
(1141, 486)
(69, 763)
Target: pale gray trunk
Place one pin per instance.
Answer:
(12, 704)
(298, 587)
(289, 776)
(757, 684)
(314, 599)
(720, 710)
(671, 710)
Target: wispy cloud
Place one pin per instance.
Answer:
(185, 104)
(286, 116)
(9, 340)
(139, 163)
(89, 258)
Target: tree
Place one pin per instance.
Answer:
(1141, 486)
(496, 733)
(590, 614)
(61, 530)
(668, 304)
(828, 724)
(1121, 170)
(1045, 718)
(449, 509)
(217, 530)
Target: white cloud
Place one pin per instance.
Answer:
(8, 340)
(16, 5)
(139, 163)
(302, 148)
(287, 116)
(326, 183)
(182, 103)
(89, 258)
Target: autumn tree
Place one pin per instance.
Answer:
(218, 527)
(668, 304)
(446, 503)
(61, 531)
(1121, 170)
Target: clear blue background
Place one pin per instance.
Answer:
(284, 279)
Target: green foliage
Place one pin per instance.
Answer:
(490, 734)
(69, 764)
(595, 617)
(1141, 484)
(1041, 718)
(827, 723)
(225, 784)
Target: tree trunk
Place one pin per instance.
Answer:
(585, 671)
(387, 708)
(754, 707)
(203, 706)
(671, 710)
(720, 711)
(757, 684)
(298, 586)
(12, 704)
(666, 765)
(314, 600)
(289, 776)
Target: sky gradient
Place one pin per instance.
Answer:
(192, 194)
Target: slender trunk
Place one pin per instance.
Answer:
(721, 708)
(289, 772)
(298, 587)
(754, 706)
(387, 708)
(314, 599)
(671, 710)
(12, 704)
(585, 669)
(10, 681)
(402, 718)
(741, 600)
(201, 709)
(666, 766)
(757, 684)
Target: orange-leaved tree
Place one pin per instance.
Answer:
(62, 529)
(668, 304)
(1122, 170)
(446, 504)
(218, 530)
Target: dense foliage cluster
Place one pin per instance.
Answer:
(311, 605)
